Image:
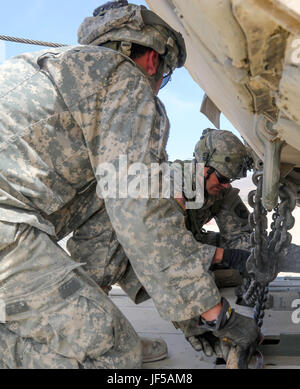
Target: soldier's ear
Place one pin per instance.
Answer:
(149, 61)
(152, 62)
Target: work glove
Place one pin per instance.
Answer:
(208, 343)
(236, 259)
(200, 339)
(234, 330)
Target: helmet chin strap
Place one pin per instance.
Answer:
(206, 178)
(208, 174)
(157, 76)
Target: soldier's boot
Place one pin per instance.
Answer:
(227, 278)
(153, 349)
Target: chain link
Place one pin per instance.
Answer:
(262, 264)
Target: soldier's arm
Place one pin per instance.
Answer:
(131, 121)
(232, 220)
(95, 244)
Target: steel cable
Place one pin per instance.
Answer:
(30, 41)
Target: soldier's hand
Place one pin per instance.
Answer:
(233, 330)
(239, 331)
(200, 339)
(208, 343)
(236, 259)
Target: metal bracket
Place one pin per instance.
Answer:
(263, 129)
(284, 345)
(211, 111)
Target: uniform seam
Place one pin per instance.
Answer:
(21, 83)
(25, 131)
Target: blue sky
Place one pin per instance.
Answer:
(58, 21)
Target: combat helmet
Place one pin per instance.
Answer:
(118, 24)
(224, 152)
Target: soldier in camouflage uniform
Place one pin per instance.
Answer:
(63, 112)
(96, 238)
(221, 151)
(225, 159)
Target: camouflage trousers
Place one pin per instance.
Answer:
(56, 316)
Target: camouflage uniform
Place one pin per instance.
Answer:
(231, 216)
(97, 239)
(63, 112)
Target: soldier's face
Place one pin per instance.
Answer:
(213, 186)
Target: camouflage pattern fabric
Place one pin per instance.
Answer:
(97, 239)
(56, 316)
(89, 105)
(133, 23)
(223, 151)
(90, 242)
(101, 29)
(231, 216)
(95, 243)
(63, 112)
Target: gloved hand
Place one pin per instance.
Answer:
(200, 339)
(208, 343)
(233, 330)
(236, 259)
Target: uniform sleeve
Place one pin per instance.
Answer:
(131, 123)
(95, 244)
(232, 220)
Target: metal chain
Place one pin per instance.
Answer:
(262, 264)
(30, 42)
(262, 293)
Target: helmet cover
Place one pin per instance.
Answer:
(123, 22)
(224, 152)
